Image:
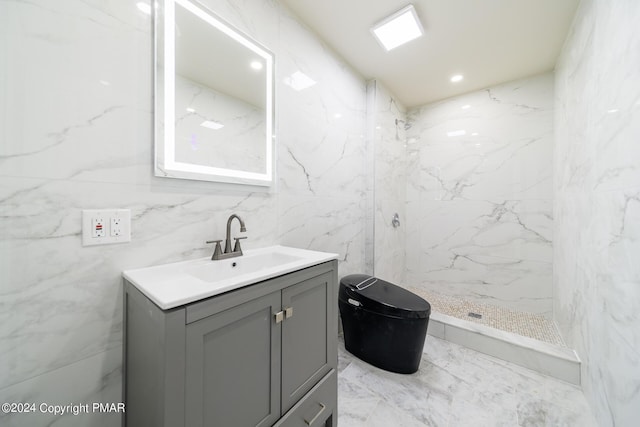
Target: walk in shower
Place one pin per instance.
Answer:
(470, 179)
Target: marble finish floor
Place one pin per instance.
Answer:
(455, 387)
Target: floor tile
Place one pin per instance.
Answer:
(455, 387)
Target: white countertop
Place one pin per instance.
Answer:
(179, 283)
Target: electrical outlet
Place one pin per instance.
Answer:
(98, 227)
(105, 226)
(116, 226)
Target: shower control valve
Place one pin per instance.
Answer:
(395, 221)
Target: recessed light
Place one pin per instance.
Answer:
(475, 134)
(398, 29)
(212, 124)
(615, 110)
(337, 115)
(256, 65)
(144, 7)
(466, 107)
(191, 110)
(457, 133)
(457, 78)
(299, 81)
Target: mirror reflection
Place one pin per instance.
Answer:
(217, 100)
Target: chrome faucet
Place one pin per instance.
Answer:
(228, 252)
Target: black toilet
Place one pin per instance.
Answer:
(384, 324)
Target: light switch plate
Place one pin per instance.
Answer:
(105, 226)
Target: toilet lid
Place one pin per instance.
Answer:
(382, 297)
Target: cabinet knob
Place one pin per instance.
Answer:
(279, 316)
(288, 312)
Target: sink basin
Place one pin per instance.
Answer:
(175, 284)
(246, 264)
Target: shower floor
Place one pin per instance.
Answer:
(526, 324)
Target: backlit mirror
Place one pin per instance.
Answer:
(214, 102)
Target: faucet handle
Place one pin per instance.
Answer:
(218, 250)
(236, 247)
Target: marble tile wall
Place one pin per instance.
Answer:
(597, 204)
(76, 119)
(479, 195)
(387, 117)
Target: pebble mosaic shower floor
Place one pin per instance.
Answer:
(526, 324)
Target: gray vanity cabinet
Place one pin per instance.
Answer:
(307, 347)
(233, 369)
(262, 355)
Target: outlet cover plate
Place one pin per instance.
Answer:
(116, 226)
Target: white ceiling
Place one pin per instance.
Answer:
(488, 41)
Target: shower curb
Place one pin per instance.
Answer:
(548, 359)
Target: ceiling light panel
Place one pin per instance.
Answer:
(398, 29)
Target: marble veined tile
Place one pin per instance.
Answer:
(444, 354)
(321, 134)
(355, 412)
(333, 224)
(61, 301)
(497, 148)
(94, 379)
(545, 413)
(596, 174)
(95, 121)
(386, 414)
(472, 414)
(320, 159)
(479, 195)
(511, 229)
(514, 284)
(481, 168)
(351, 390)
(388, 142)
(85, 141)
(483, 250)
(390, 240)
(460, 387)
(407, 393)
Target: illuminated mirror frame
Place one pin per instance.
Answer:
(164, 47)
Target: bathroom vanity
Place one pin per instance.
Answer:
(250, 341)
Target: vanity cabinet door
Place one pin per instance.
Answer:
(308, 342)
(233, 366)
